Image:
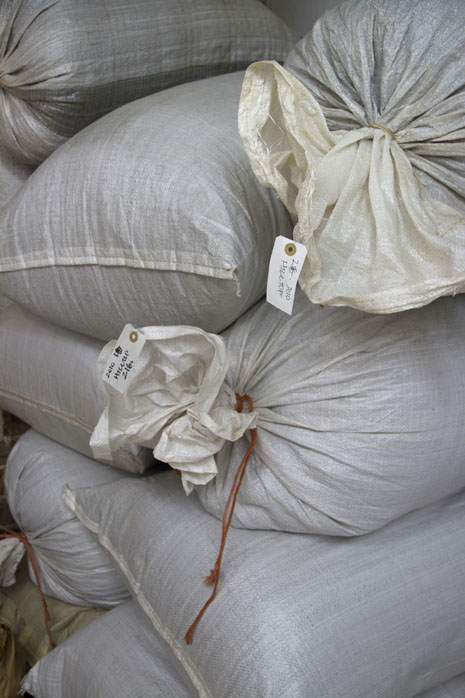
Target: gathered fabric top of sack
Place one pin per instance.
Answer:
(178, 403)
(71, 565)
(358, 417)
(362, 135)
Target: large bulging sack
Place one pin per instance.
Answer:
(288, 605)
(72, 565)
(48, 379)
(66, 63)
(362, 135)
(359, 417)
(152, 215)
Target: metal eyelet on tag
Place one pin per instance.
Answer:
(133, 337)
(290, 249)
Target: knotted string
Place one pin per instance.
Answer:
(9, 533)
(214, 576)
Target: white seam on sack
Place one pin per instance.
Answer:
(194, 674)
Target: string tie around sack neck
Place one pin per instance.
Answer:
(385, 129)
(20, 535)
(214, 576)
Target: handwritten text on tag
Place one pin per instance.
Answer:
(286, 264)
(119, 370)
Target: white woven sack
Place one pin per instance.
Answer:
(13, 174)
(131, 661)
(66, 63)
(294, 614)
(359, 417)
(72, 565)
(48, 379)
(152, 215)
(362, 135)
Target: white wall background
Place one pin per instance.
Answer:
(301, 15)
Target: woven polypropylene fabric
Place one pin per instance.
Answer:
(362, 135)
(72, 566)
(13, 174)
(118, 655)
(152, 215)
(65, 63)
(48, 378)
(455, 688)
(295, 615)
(359, 416)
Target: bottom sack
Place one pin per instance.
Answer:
(305, 616)
(132, 661)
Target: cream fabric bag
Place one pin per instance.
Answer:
(362, 136)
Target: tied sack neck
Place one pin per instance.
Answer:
(177, 403)
(376, 239)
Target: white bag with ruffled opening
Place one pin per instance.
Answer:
(358, 417)
(362, 135)
(178, 403)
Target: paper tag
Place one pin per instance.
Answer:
(286, 263)
(119, 370)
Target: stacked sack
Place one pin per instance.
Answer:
(328, 441)
(151, 211)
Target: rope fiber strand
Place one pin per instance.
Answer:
(214, 576)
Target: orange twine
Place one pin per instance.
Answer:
(9, 533)
(214, 576)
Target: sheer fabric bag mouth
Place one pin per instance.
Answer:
(362, 135)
